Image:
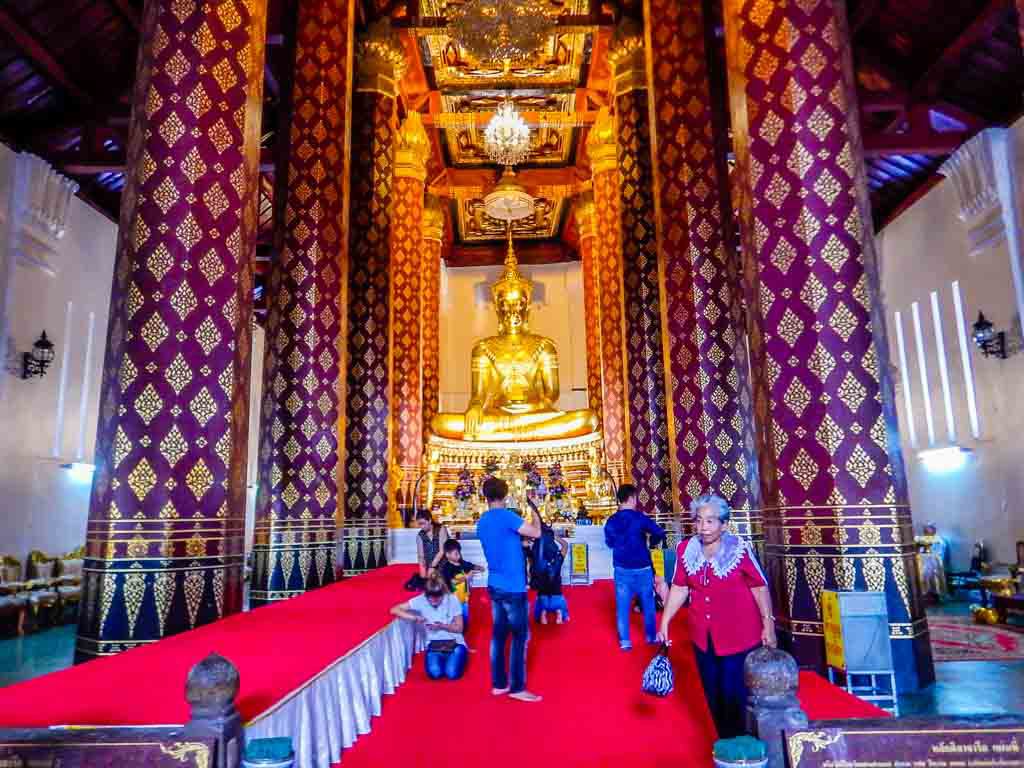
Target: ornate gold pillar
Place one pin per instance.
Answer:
(649, 416)
(164, 542)
(607, 256)
(704, 320)
(832, 477)
(296, 503)
(586, 226)
(368, 404)
(433, 240)
(407, 257)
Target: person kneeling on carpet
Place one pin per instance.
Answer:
(440, 613)
(730, 609)
(546, 556)
(456, 573)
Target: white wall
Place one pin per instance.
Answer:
(43, 506)
(467, 315)
(926, 250)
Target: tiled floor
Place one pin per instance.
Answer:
(35, 654)
(968, 687)
(961, 687)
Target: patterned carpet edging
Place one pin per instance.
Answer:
(958, 638)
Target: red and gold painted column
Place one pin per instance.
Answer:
(368, 384)
(650, 463)
(296, 501)
(586, 226)
(164, 543)
(607, 256)
(433, 238)
(712, 439)
(412, 148)
(833, 482)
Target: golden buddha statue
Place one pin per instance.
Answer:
(514, 384)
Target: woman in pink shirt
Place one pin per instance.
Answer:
(730, 612)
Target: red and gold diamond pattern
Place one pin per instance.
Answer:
(368, 408)
(648, 423)
(592, 319)
(431, 331)
(710, 392)
(165, 544)
(296, 501)
(608, 263)
(820, 359)
(407, 314)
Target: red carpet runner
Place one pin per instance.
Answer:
(593, 713)
(276, 648)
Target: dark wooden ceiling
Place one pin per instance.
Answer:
(931, 74)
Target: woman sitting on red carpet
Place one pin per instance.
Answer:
(440, 613)
(730, 610)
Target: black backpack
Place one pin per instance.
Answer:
(546, 558)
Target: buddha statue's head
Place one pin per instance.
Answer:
(511, 295)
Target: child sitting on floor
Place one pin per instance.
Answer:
(456, 572)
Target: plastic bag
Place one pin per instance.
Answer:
(659, 679)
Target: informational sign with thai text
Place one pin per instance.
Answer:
(834, 653)
(658, 560)
(984, 741)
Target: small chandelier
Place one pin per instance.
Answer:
(507, 136)
(500, 30)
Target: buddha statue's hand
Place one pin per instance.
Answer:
(474, 417)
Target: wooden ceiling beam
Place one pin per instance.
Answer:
(916, 142)
(866, 11)
(544, 252)
(929, 84)
(41, 57)
(128, 12)
(552, 118)
(430, 24)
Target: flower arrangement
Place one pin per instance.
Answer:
(465, 488)
(556, 482)
(533, 478)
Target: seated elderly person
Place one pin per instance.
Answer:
(440, 613)
(730, 611)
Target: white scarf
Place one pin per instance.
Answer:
(724, 561)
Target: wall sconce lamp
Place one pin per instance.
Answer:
(36, 362)
(991, 342)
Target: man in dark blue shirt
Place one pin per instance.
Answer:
(500, 531)
(626, 534)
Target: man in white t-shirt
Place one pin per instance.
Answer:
(440, 613)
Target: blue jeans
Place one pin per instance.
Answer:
(465, 619)
(551, 604)
(638, 582)
(449, 665)
(509, 610)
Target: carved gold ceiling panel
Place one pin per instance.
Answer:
(558, 65)
(551, 144)
(475, 226)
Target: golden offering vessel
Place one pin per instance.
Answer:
(514, 384)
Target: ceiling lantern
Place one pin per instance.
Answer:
(507, 136)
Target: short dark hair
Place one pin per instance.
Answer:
(452, 545)
(495, 489)
(435, 587)
(424, 514)
(625, 493)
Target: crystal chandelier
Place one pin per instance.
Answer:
(507, 136)
(500, 30)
